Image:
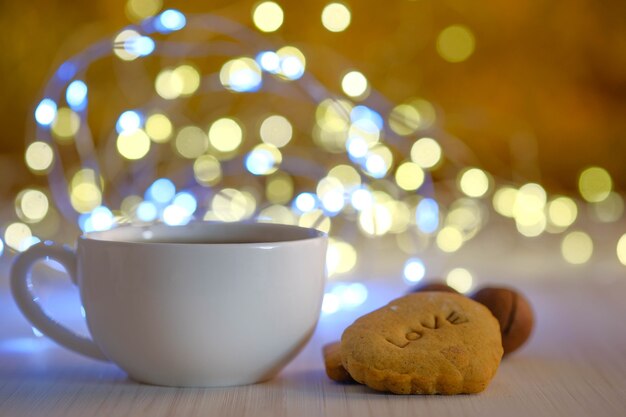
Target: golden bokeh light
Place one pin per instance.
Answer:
(129, 206)
(577, 247)
(331, 193)
(404, 119)
(341, 257)
(346, 175)
(332, 125)
(336, 17)
(293, 62)
(455, 43)
(595, 184)
(333, 114)
(315, 219)
(426, 153)
(400, 215)
(16, 234)
(528, 229)
(66, 124)
(231, 205)
(276, 130)
(31, 205)
(159, 128)
(183, 80)
(240, 74)
(85, 192)
(504, 201)
(137, 10)
(529, 210)
(411, 243)
(133, 145)
(375, 220)
(562, 212)
(329, 140)
(264, 159)
(39, 157)
(409, 176)
(225, 135)
(467, 216)
(378, 161)
(366, 131)
(449, 239)
(191, 142)
(355, 85)
(608, 210)
(621, 249)
(409, 117)
(530, 197)
(189, 79)
(474, 182)
(277, 214)
(207, 170)
(168, 85)
(268, 16)
(328, 185)
(460, 279)
(120, 41)
(279, 188)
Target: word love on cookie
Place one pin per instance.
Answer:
(422, 343)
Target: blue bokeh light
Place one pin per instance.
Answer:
(366, 125)
(361, 198)
(427, 215)
(169, 21)
(291, 67)
(259, 162)
(347, 296)
(333, 202)
(357, 148)
(245, 80)
(305, 202)
(46, 112)
(142, 45)
(175, 215)
(187, 201)
(28, 242)
(269, 61)
(364, 112)
(354, 295)
(375, 166)
(331, 303)
(414, 270)
(66, 71)
(76, 94)
(129, 121)
(147, 211)
(161, 191)
(101, 219)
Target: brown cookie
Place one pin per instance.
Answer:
(332, 362)
(513, 312)
(433, 286)
(424, 343)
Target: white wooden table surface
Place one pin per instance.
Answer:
(574, 364)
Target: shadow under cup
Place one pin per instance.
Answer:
(203, 304)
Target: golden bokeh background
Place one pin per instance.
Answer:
(537, 89)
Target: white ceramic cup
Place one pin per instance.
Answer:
(206, 304)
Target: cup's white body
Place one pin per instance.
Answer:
(194, 314)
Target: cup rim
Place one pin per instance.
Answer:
(142, 234)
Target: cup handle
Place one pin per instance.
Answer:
(21, 287)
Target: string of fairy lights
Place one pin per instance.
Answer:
(272, 144)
